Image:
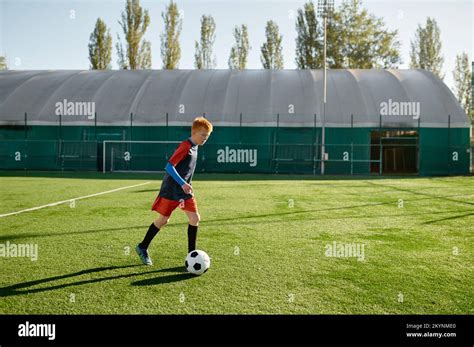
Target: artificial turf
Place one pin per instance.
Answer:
(267, 237)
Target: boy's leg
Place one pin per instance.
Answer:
(142, 247)
(194, 219)
(160, 222)
(164, 208)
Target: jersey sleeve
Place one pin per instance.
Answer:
(170, 169)
(180, 153)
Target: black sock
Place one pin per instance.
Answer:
(192, 233)
(151, 233)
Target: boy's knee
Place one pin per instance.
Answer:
(194, 219)
(161, 222)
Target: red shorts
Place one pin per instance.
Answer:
(165, 207)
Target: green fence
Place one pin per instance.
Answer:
(278, 149)
(345, 159)
(49, 155)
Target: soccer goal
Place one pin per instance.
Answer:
(136, 156)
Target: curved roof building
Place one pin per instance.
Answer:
(259, 95)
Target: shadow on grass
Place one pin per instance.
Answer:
(470, 214)
(10, 237)
(156, 190)
(416, 192)
(251, 218)
(164, 279)
(23, 288)
(90, 231)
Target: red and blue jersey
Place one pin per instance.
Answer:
(184, 161)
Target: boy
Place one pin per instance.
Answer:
(176, 189)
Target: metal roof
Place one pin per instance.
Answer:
(259, 95)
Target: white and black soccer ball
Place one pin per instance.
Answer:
(197, 262)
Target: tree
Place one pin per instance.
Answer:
(3, 63)
(356, 39)
(335, 43)
(425, 48)
(364, 41)
(100, 47)
(462, 81)
(240, 50)
(272, 57)
(203, 58)
(309, 47)
(472, 93)
(134, 23)
(170, 48)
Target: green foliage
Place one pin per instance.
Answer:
(240, 50)
(137, 51)
(100, 47)
(3, 63)
(356, 39)
(203, 58)
(170, 47)
(426, 47)
(309, 48)
(462, 81)
(271, 50)
(363, 41)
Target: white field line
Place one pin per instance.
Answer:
(70, 200)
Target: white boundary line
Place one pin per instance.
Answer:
(70, 200)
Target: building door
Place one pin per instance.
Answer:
(394, 152)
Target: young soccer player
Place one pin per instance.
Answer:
(176, 189)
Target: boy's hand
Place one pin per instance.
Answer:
(188, 189)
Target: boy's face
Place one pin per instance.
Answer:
(200, 136)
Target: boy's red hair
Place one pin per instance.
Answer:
(201, 123)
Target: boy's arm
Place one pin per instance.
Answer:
(177, 156)
(170, 169)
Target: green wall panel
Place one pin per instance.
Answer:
(278, 150)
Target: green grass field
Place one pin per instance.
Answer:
(266, 236)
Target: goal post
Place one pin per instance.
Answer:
(383, 154)
(136, 156)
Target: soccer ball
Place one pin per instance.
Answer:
(197, 262)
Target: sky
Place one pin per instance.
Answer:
(54, 34)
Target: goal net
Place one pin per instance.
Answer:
(136, 156)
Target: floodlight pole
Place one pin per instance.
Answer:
(324, 8)
(323, 139)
